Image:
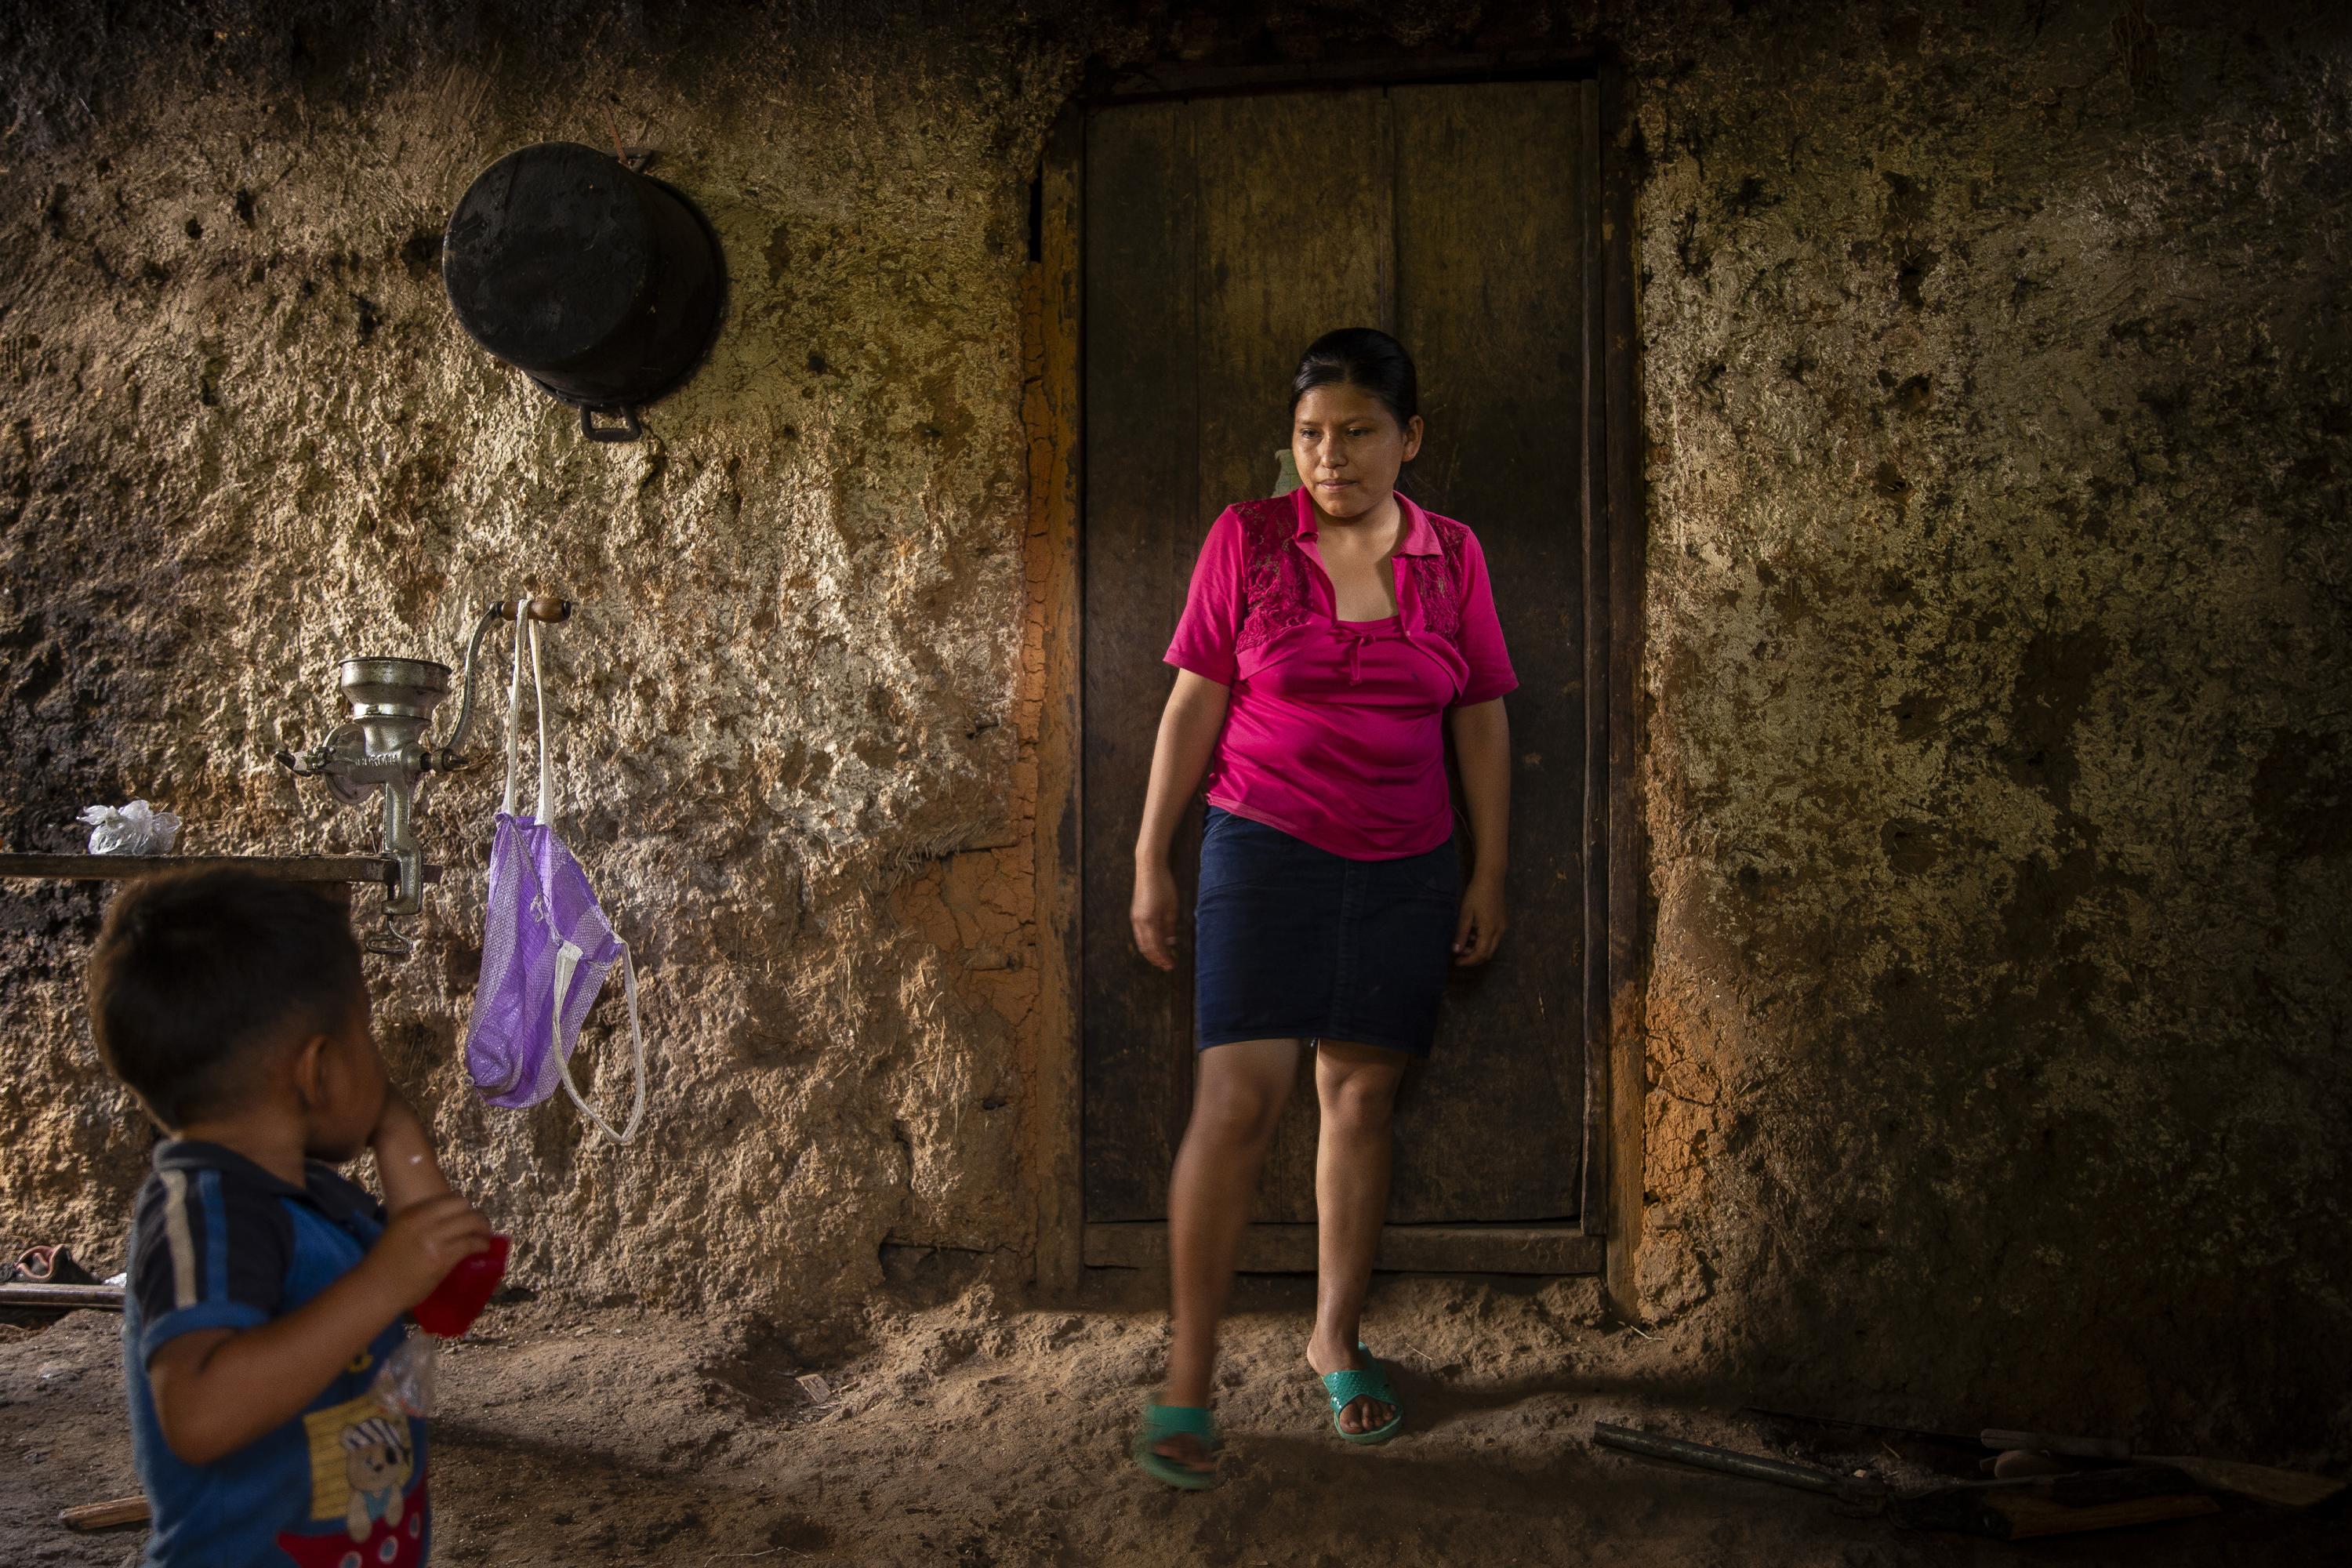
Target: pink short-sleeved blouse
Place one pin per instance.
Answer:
(1335, 731)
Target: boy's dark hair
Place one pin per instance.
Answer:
(195, 970)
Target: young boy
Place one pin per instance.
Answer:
(266, 1291)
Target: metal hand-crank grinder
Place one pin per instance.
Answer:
(382, 749)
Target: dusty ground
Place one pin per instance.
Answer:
(971, 1434)
(1997, 430)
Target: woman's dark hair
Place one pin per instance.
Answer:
(197, 972)
(1362, 357)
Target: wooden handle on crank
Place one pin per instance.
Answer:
(544, 608)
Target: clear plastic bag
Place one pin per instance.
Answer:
(134, 829)
(410, 1376)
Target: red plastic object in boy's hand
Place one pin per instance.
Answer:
(463, 1292)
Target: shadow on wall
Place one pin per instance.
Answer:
(1998, 1018)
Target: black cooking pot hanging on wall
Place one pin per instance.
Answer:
(602, 285)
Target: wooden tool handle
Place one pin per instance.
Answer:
(2263, 1483)
(2024, 1516)
(543, 608)
(105, 1515)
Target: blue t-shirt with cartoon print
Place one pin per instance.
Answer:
(216, 1242)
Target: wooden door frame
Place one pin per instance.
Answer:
(1613, 510)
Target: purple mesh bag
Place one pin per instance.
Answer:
(547, 946)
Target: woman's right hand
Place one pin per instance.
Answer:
(1189, 726)
(1153, 913)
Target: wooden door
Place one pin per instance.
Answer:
(1220, 236)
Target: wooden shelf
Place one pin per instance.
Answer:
(374, 869)
(39, 1293)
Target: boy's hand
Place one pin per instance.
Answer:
(423, 1243)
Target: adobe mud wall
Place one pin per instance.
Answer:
(2000, 412)
(246, 438)
(1996, 381)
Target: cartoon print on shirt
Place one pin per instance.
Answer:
(362, 1456)
(377, 1462)
(364, 1480)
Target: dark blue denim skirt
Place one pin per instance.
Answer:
(1290, 940)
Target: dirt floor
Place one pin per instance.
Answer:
(971, 1434)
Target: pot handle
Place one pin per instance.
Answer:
(629, 429)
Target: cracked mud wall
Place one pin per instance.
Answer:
(1996, 391)
(246, 438)
(2000, 415)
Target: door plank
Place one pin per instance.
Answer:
(1628, 920)
(1296, 201)
(1600, 778)
(1142, 526)
(1052, 290)
(1489, 243)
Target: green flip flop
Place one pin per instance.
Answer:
(1345, 1387)
(1162, 1421)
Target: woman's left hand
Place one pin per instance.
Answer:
(1479, 927)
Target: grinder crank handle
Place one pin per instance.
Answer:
(543, 608)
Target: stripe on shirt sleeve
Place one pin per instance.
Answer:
(177, 1237)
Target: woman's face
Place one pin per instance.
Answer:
(1348, 447)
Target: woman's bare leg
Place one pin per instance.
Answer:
(1237, 1098)
(1356, 1086)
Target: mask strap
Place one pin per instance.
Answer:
(567, 959)
(514, 711)
(539, 703)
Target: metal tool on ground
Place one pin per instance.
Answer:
(1940, 1451)
(2102, 1498)
(2268, 1484)
(1857, 1493)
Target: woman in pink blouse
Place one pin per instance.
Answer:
(1332, 637)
